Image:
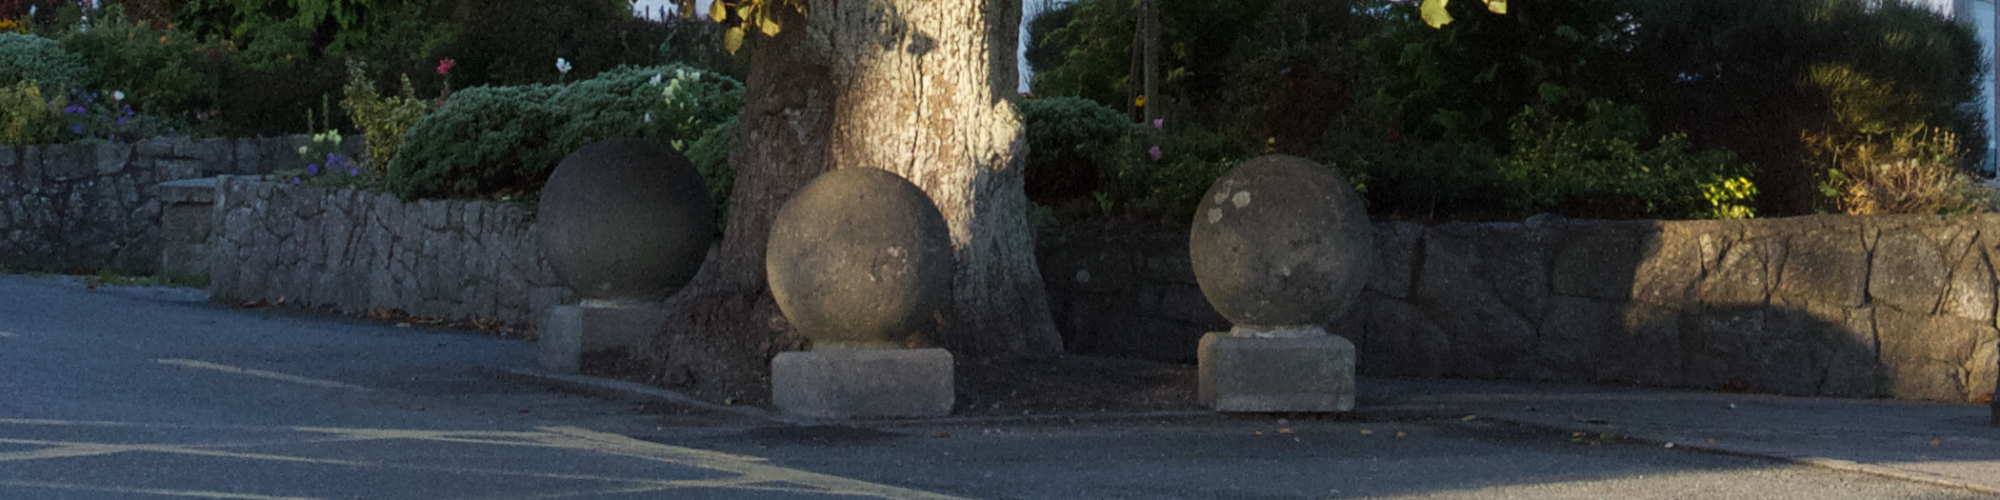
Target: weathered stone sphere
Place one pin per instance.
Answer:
(859, 257)
(1281, 241)
(625, 219)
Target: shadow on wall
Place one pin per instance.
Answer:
(1823, 305)
(1899, 306)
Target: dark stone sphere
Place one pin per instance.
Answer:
(626, 219)
(1281, 241)
(859, 257)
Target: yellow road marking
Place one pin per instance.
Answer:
(146, 491)
(260, 373)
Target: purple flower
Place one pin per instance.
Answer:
(76, 129)
(73, 109)
(1155, 152)
(121, 121)
(1159, 122)
(353, 172)
(295, 181)
(312, 169)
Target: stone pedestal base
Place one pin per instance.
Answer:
(1300, 374)
(569, 332)
(849, 383)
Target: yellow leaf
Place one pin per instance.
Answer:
(732, 40)
(766, 23)
(716, 11)
(1434, 14)
(1497, 6)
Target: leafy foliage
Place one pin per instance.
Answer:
(1756, 77)
(1417, 179)
(30, 57)
(710, 155)
(1599, 168)
(516, 42)
(383, 120)
(1068, 137)
(1293, 75)
(163, 72)
(1170, 185)
(25, 117)
(499, 141)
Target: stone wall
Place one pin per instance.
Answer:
(1900, 306)
(94, 205)
(354, 251)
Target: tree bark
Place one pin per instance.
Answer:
(922, 88)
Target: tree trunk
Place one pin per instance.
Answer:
(917, 87)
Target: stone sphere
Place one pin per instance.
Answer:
(1281, 241)
(860, 257)
(625, 220)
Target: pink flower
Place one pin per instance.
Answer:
(1155, 152)
(444, 66)
(1159, 122)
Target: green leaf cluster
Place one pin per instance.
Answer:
(383, 120)
(26, 116)
(503, 141)
(30, 57)
(1790, 83)
(1068, 138)
(166, 72)
(1600, 166)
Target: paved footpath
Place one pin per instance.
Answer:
(117, 393)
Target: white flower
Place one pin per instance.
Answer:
(562, 65)
(118, 95)
(656, 79)
(649, 117)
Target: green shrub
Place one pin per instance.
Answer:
(1169, 186)
(1067, 138)
(1598, 168)
(1778, 81)
(383, 121)
(697, 42)
(30, 57)
(497, 141)
(1916, 172)
(274, 102)
(25, 117)
(162, 72)
(1296, 76)
(711, 155)
(1409, 179)
(516, 42)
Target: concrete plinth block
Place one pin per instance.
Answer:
(1300, 374)
(569, 332)
(850, 383)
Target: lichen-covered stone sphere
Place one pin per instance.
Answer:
(625, 220)
(860, 257)
(1281, 241)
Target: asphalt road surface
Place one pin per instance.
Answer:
(143, 393)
